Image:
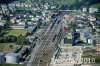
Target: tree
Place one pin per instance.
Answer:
(12, 38)
(22, 41)
(11, 46)
(7, 25)
(6, 39)
(1, 39)
(80, 42)
(97, 59)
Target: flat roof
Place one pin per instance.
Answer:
(65, 55)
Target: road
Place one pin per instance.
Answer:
(44, 42)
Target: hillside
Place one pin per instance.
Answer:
(96, 5)
(23, 0)
(65, 2)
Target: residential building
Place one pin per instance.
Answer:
(92, 41)
(93, 10)
(84, 9)
(21, 4)
(46, 6)
(4, 8)
(2, 24)
(91, 18)
(53, 6)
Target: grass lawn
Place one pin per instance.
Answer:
(6, 46)
(2, 46)
(11, 65)
(16, 32)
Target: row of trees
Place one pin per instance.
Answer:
(21, 40)
(9, 38)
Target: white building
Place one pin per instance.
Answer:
(2, 24)
(28, 4)
(92, 41)
(53, 6)
(4, 8)
(84, 9)
(46, 6)
(85, 36)
(91, 18)
(18, 4)
(12, 58)
(92, 10)
(35, 19)
(13, 20)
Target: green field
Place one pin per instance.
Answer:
(63, 2)
(66, 2)
(16, 32)
(11, 65)
(22, 0)
(6, 46)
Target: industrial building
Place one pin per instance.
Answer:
(67, 56)
(12, 58)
